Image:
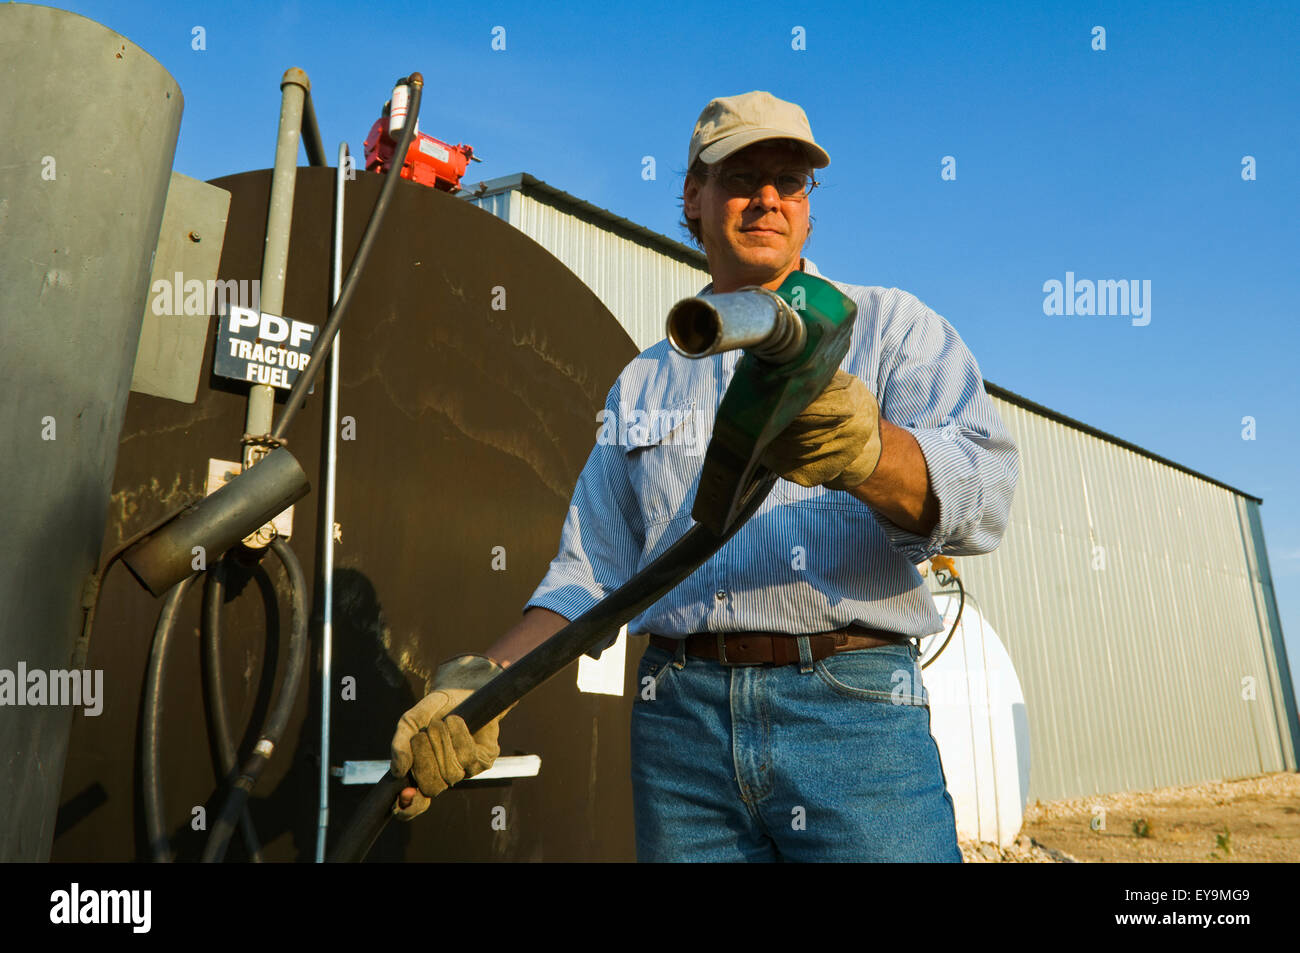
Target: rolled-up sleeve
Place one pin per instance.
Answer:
(933, 389)
(603, 535)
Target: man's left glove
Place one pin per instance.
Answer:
(835, 442)
(439, 750)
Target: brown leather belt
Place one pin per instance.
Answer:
(775, 648)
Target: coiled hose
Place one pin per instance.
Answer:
(226, 754)
(234, 811)
(151, 767)
(242, 786)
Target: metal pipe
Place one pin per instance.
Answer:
(754, 319)
(294, 89)
(325, 537)
(214, 524)
(163, 559)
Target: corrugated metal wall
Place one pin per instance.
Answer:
(1136, 603)
(1134, 598)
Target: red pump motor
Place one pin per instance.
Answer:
(429, 161)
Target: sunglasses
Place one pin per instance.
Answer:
(743, 181)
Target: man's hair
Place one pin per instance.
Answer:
(700, 172)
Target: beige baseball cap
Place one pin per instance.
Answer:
(729, 123)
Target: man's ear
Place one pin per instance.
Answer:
(691, 197)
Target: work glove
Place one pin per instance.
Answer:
(835, 442)
(439, 751)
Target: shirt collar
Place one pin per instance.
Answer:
(805, 264)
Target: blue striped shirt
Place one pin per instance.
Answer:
(810, 559)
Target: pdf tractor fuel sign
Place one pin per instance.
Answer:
(262, 348)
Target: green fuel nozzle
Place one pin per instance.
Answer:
(794, 340)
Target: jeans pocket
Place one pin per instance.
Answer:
(654, 667)
(886, 673)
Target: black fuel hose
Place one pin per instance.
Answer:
(293, 403)
(277, 721)
(217, 718)
(591, 628)
(151, 723)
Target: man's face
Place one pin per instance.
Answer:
(756, 239)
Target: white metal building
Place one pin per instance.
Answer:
(1133, 594)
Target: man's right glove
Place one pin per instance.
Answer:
(439, 751)
(835, 442)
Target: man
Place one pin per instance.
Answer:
(781, 715)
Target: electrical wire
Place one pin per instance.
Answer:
(952, 577)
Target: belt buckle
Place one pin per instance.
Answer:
(722, 654)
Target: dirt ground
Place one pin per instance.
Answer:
(1243, 821)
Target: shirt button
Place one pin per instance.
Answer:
(721, 594)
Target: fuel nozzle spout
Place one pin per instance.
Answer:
(753, 318)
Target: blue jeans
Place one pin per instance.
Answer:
(819, 761)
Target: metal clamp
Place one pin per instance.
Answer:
(264, 440)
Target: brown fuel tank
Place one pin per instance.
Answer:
(470, 422)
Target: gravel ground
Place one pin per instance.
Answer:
(1250, 819)
(1025, 850)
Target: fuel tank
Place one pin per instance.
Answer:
(473, 366)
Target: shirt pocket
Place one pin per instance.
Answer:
(664, 452)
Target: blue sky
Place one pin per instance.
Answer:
(1118, 164)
